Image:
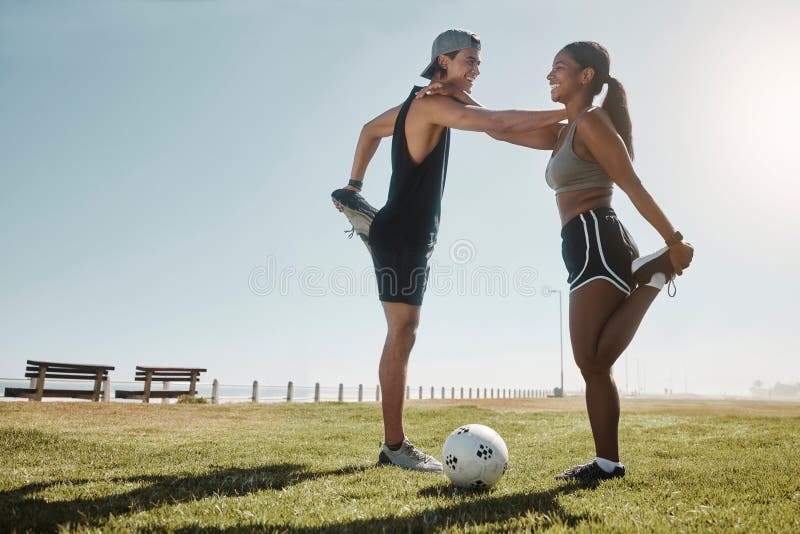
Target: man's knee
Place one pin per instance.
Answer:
(404, 327)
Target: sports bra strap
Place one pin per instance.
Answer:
(574, 126)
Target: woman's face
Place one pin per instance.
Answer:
(566, 78)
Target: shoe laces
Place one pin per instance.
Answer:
(671, 289)
(416, 453)
(578, 469)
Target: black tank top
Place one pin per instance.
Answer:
(411, 214)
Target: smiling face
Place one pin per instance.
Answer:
(462, 70)
(567, 78)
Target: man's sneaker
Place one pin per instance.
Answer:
(409, 457)
(590, 472)
(357, 210)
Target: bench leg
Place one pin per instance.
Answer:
(98, 380)
(193, 384)
(148, 381)
(40, 384)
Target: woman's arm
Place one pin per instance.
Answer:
(606, 146)
(540, 139)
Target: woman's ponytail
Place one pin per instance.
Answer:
(616, 105)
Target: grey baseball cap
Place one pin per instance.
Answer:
(450, 41)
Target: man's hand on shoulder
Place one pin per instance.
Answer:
(446, 89)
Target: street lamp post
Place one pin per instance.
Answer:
(547, 291)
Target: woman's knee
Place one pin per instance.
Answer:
(591, 366)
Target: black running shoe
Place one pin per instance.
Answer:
(590, 472)
(357, 210)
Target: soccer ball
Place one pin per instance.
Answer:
(475, 456)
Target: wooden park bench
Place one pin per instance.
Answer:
(40, 371)
(148, 375)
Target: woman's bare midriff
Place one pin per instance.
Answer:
(573, 203)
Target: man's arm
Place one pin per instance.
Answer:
(541, 138)
(446, 111)
(371, 135)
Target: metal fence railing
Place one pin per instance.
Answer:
(218, 393)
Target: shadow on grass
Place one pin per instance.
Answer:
(484, 511)
(21, 510)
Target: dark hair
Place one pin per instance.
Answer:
(594, 55)
(437, 69)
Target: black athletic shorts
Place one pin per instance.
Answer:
(595, 246)
(401, 270)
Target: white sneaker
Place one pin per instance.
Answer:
(409, 457)
(645, 267)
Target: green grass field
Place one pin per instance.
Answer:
(692, 467)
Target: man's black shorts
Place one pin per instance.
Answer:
(401, 270)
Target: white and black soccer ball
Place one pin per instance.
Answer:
(474, 456)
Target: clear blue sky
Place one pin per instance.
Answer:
(158, 160)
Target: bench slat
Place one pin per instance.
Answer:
(133, 394)
(61, 369)
(143, 368)
(160, 372)
(164, 379)
(71, 365)
(72, 393)
(58, 375)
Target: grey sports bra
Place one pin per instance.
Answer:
(567, 172)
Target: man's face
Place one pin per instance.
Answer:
(462, 70)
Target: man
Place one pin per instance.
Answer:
(401, 236)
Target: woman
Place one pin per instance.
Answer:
(611, 288)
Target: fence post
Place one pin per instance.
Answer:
(215, 392)
(316, 392)
(360, 392)
(290, 391)
(341, 392)
(420, 392)
(462, 392)
(165, 400)
(378, 393)
(432, 392)
(470, 393)
(254, 398)
(442, 391)
(453, 392)
(107, 390)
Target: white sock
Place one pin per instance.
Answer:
(607, 465)
(657, 281)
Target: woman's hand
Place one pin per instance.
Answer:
(680, 255)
